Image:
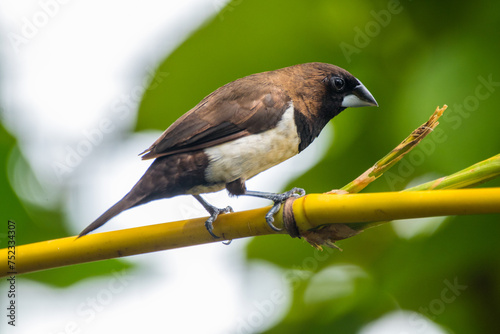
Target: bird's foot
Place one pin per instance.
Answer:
(278, 199)
(214, 213)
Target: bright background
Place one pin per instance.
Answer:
(87, 85)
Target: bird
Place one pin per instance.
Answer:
(240, 130)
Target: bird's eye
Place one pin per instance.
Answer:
(338, 83)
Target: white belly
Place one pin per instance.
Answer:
(245, 157)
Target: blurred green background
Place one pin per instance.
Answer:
(412, 56)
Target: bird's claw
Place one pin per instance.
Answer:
(279, 199)
(215, 212)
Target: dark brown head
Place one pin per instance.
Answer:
(320, 92)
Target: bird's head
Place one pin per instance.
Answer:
(329, 88)
(354, 93)
(341, 88)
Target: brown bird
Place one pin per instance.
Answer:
(240, 130)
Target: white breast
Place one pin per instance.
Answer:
(245, 157)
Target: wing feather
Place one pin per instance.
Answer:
(240, 108)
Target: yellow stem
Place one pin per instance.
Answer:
(310, 212)
(315, 209)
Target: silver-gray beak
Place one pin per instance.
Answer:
(360, 97)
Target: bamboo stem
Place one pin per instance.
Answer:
(310, 212)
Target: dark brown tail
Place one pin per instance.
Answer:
(125, 203)
(163, 179)
(143, 191)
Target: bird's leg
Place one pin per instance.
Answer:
(278, 199)
(214, 213)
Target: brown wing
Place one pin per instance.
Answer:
(242, 107)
